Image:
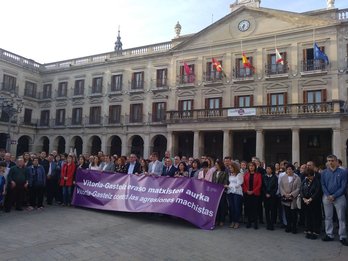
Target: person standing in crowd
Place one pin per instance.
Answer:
(37, 180)
(311, 203)
(177, 160)
(7, 159)
(82, 163)
(43, 161)
(17, 182)
(155, 166)
(52, 180)
(168, 170)
(195, 166)
(109, 166)
(144, 166)
(289, 188)
(133, 166)
(270, 187)
(221, 177)
(252, 191)
(95, 165)
(2, 183)
(334, 184)
(262, 171)
(181, 171)
(235, 194)
(204, 170)
(121, 166)
(211, 169)
(66, 180)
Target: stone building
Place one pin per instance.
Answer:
(170, 96)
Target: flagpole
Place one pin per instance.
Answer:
(313, 36)
(241, 45)
(275, 41)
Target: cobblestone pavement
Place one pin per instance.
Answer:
(62, 233)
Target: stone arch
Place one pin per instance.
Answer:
(136, 145)
(115, 145)
(44, 144)
(76, 145)
(159, 145)
(59, 144)
(23, 144)
(94, 145)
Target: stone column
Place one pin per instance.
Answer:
(124, 149)
(260, 144)
(295, 145)
(336, 143)
(103, 143)
(147, 147)
(170, 142)
(196, 144)
(226, 144)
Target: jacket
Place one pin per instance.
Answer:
(292, 188)
(67, 171)
(311, 189)
(270, 185)
(171, 171)
(158, 168)
(36, 176)
(256, 185)
(136, 169)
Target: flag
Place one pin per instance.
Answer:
(218, 67)
(246, 62)
(279, 58)
(320, 55)
(187, 69)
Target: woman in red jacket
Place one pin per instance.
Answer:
(66, 180)
(252, 191)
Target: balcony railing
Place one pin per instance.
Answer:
(314, 66)
(291, 110)
(276, 69)
(160, 83)
(186, 79)
(212, 76)
(8, 88)
(342, 14)
(28, 122)
(136, 85)
(242, 74)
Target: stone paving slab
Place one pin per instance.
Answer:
(62, 233)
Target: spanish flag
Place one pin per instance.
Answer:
(246, 63)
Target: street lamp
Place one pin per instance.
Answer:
(11, 106)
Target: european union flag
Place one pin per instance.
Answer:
(319, 55)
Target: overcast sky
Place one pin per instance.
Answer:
(54, 30)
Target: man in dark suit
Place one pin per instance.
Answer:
(133, 166)
(7, 159)
(168, 168)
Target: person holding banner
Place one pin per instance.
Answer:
(181, 172)
(221, 177)
(133, 166)
(155, 166)
(66, 180)
(169, 169)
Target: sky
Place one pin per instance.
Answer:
(55, 30)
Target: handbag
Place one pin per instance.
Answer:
(299, 201)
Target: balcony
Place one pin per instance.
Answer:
(61, 95)
(8, 88)
(259, 113)
(242, 75)
(310, 67)
(277, 70)
(45, 96)
(212, 78)
(186, 80)
(136, 86)
(96, 92)
(28, 122)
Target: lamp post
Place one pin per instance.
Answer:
(10, 106)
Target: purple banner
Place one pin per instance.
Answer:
(191, 199)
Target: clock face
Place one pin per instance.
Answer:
(243, 25)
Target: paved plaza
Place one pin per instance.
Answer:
(63, 233)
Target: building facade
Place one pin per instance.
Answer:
(171, 96)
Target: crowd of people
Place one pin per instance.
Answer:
(287, 195)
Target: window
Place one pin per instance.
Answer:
(315, 100)
(213, 106)
(212, 74)
(79, 87)
(115, 114)
(241, 71)
(27, 116)
(309, 64)
(95, 115)
(62, 89)
(76, 116)
(116, 83)
(273, 67)
(187, 77)
(243, 101)
(185, 108)
(138, 80)
(47, 91)
(97, 85)
(161, 78)
(136, 112)
(30, 89)
(60, 117)
(277, 101)
(45, 118)
(9, 83)
(158, 111)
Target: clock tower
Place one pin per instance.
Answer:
(239, 3)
